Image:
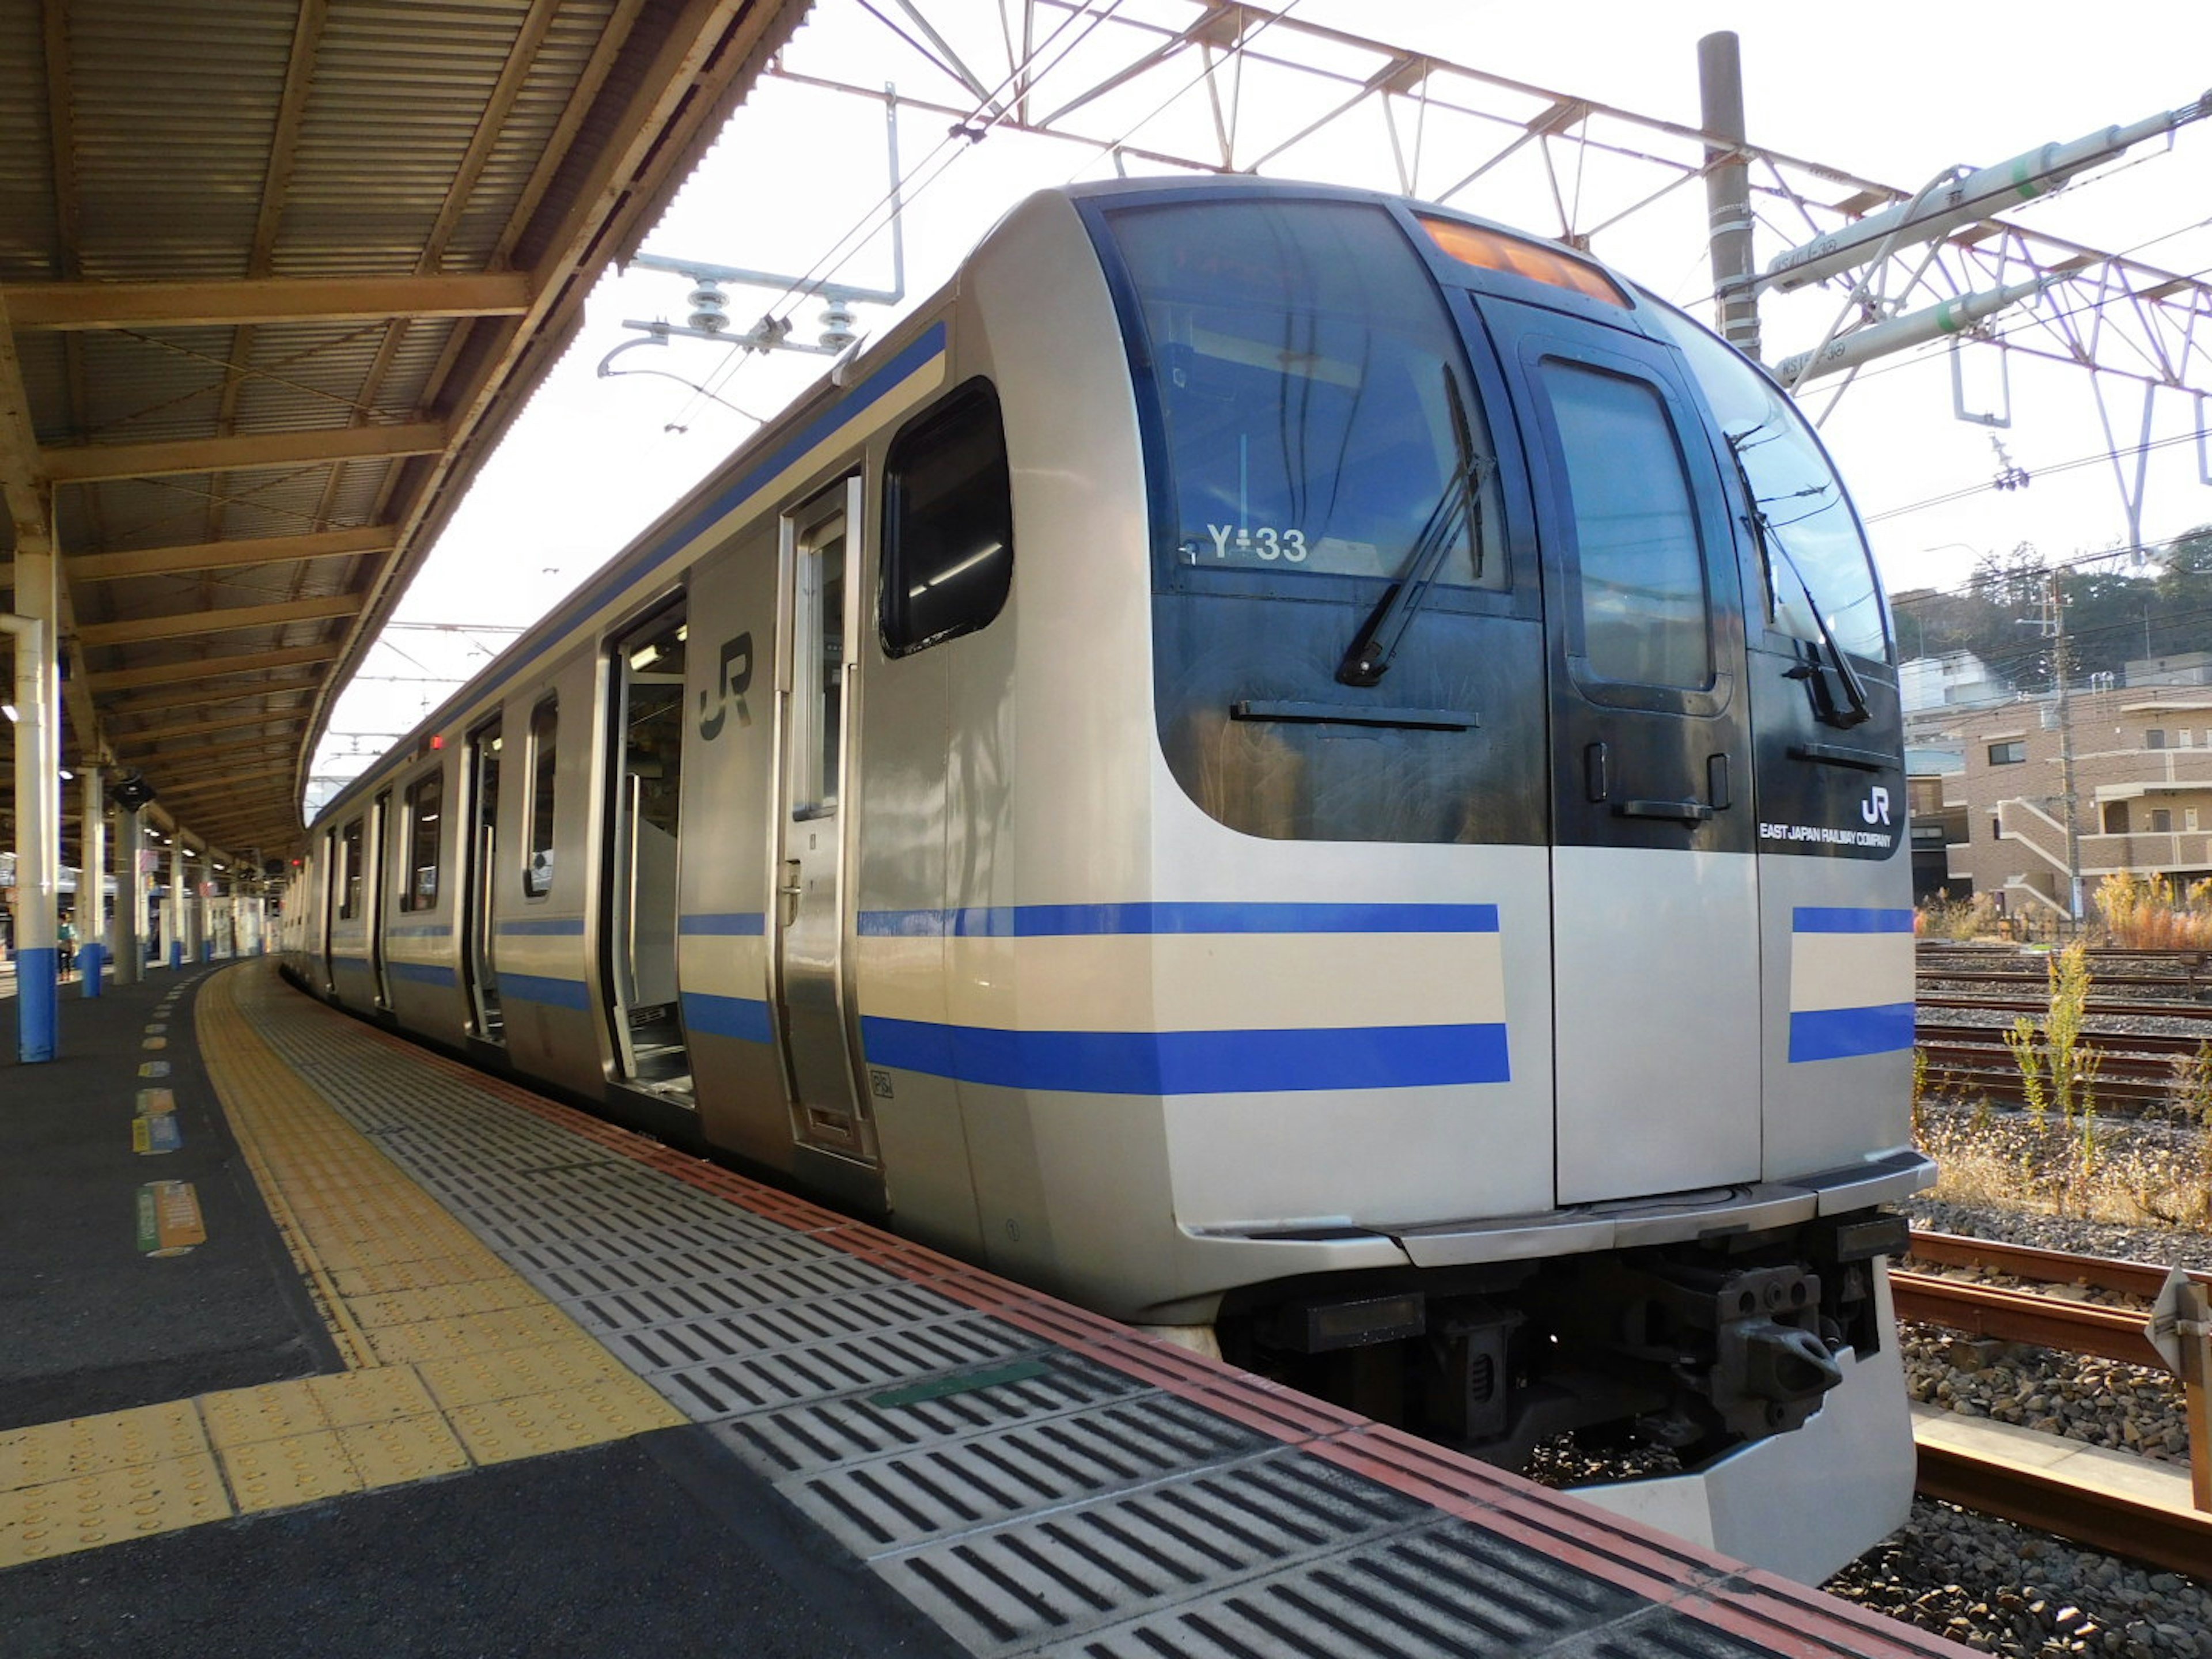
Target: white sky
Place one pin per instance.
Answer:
(591, 461)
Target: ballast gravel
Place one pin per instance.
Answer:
(2003, 1589)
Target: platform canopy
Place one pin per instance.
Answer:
(274, 277)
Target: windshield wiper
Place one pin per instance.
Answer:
(1369, 656)
(1854, 710)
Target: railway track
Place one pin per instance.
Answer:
(2152, 1049)
(2118, 1522)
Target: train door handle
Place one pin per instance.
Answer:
(792, 887)
(1679, 812)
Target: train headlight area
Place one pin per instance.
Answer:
(515, 1372)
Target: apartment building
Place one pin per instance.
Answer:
(2142, 788)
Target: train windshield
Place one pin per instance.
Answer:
(1817, 554)
(1317, 416)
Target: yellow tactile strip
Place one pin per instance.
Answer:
(454, 1359)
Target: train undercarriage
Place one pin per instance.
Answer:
(1676, 1354)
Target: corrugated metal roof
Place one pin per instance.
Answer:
(223, 223)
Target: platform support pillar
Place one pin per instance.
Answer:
(130, 931)
(33, 630)
(179, 905)
(92, 884)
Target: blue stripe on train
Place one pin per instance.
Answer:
(1839, 919)
(422, 973)
(1041, 921)
(743, 1018)
(738, 924)
(553, 993)
(1192, 1062)
(1838, 1033)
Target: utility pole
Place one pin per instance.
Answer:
(2065, 749)
(1728, 193)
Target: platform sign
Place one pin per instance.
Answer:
(154, 1068)
(169, 1222)
(157, 1132)
(151, 1101)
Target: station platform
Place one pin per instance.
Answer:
(315, 1341)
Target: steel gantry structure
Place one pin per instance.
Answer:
(1201, 85)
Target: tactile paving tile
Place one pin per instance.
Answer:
(1046, 1578)
(375, 1396)
(472, 1379)
(894, 1502)
(90, 1445)
(416, 1306)
(669, 1298)
(471, 1334)
(108, 1508)
(269, 1410)
(708, 1389)
(567, 1271)
(394, 1451)
(280, 1474)
(806, 1440)
(1446, 1592)
(498, 1431)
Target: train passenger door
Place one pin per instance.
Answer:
(642, 808)
(479, 853)
(1654, 901)
(820, 606)
(374, 890)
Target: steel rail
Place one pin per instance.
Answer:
(2137, 1279)
(2009, 1315)
(2178, 1541)
(2119, 1007)
(2172, 1536)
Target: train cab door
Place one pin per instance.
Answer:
(814, 1004)
(643, 809)
(375, 892)
(479, 853)
(1655, 900)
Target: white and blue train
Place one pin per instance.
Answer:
(1277, 760)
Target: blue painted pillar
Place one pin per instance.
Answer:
(37, 704)
(129, 937)
(92, 884)
(179, 905)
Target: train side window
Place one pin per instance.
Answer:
(349, 871)
(948, 523)
(1641, 568)
(544, 732)
(422, 800)
(1813, 534)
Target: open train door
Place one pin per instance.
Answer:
(1655, 895)
(812, 963)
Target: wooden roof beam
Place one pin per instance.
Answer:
(130, 742)
(226, 783)
(93, 462)
(190, 558)
(192, 624)
(50, 306)
(166, 700)
(208, 668)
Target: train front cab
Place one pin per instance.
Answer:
(1614, 821)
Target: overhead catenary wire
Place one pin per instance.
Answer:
(913, 184)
